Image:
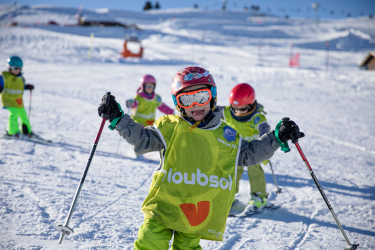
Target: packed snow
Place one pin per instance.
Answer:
(334, 107)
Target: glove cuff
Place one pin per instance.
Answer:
(116, 120)
(283, 145)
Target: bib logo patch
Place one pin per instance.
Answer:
(150, 122)
(229, 133)
(19, 101)
(196, 214)
(256, 120)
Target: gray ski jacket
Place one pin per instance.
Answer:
(146, 139)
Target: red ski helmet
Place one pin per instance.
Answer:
(147, 78)
(190, 76)
(242, 94)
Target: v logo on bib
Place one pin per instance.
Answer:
(19, 101)
(196, 214)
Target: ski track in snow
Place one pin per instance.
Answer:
(115, 201)
(333, 107)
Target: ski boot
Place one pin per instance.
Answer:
(32, 136)
(8, 136)
(258, 200)
(26, 133)
(256, 204)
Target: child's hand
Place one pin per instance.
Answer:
(289, 130)
(109, 108)
(129, 103)
(29, 86)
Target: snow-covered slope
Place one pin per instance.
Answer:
(334, 107)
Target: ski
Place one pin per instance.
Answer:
(36, 139)
(248, 213)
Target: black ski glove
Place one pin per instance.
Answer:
(109, 108)
(289, 131)
(29, 86)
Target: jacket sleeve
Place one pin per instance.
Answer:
(134, 105)
(144, 139)
(1, 83)
(257, 150)
(165, 109)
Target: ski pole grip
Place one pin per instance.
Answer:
(294, 138)
(104, 115)
(283, 145)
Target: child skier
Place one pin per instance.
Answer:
(247, 117)
(146, 101)
(192, 191)
(12, 85)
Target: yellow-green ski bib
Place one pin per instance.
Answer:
(194, 188)
(144, 113)
(249, 130)
(11, 96)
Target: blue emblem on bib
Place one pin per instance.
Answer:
(256, 120)
(229, 133)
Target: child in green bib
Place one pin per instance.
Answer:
(192, 191)
(12, 85)
(247, 117)
(146, 102)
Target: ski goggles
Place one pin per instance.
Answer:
(149, 86)
(15, 68)
(200, 97)
(240, 109)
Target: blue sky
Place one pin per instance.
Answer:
(293, 8)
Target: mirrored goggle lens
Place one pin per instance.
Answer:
(241, 110)
(201, 97)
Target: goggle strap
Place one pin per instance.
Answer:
(174, 100)
(213, 92)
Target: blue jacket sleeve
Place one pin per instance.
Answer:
(1, 83)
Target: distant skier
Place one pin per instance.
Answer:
(247, 117)
(192, 191)
(12, 86)
(146, 102)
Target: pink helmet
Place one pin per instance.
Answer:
(147, 78)
(192, 76)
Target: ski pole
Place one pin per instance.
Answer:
(277, 190)
(29, 106)
(350, 246)
(65, 229)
